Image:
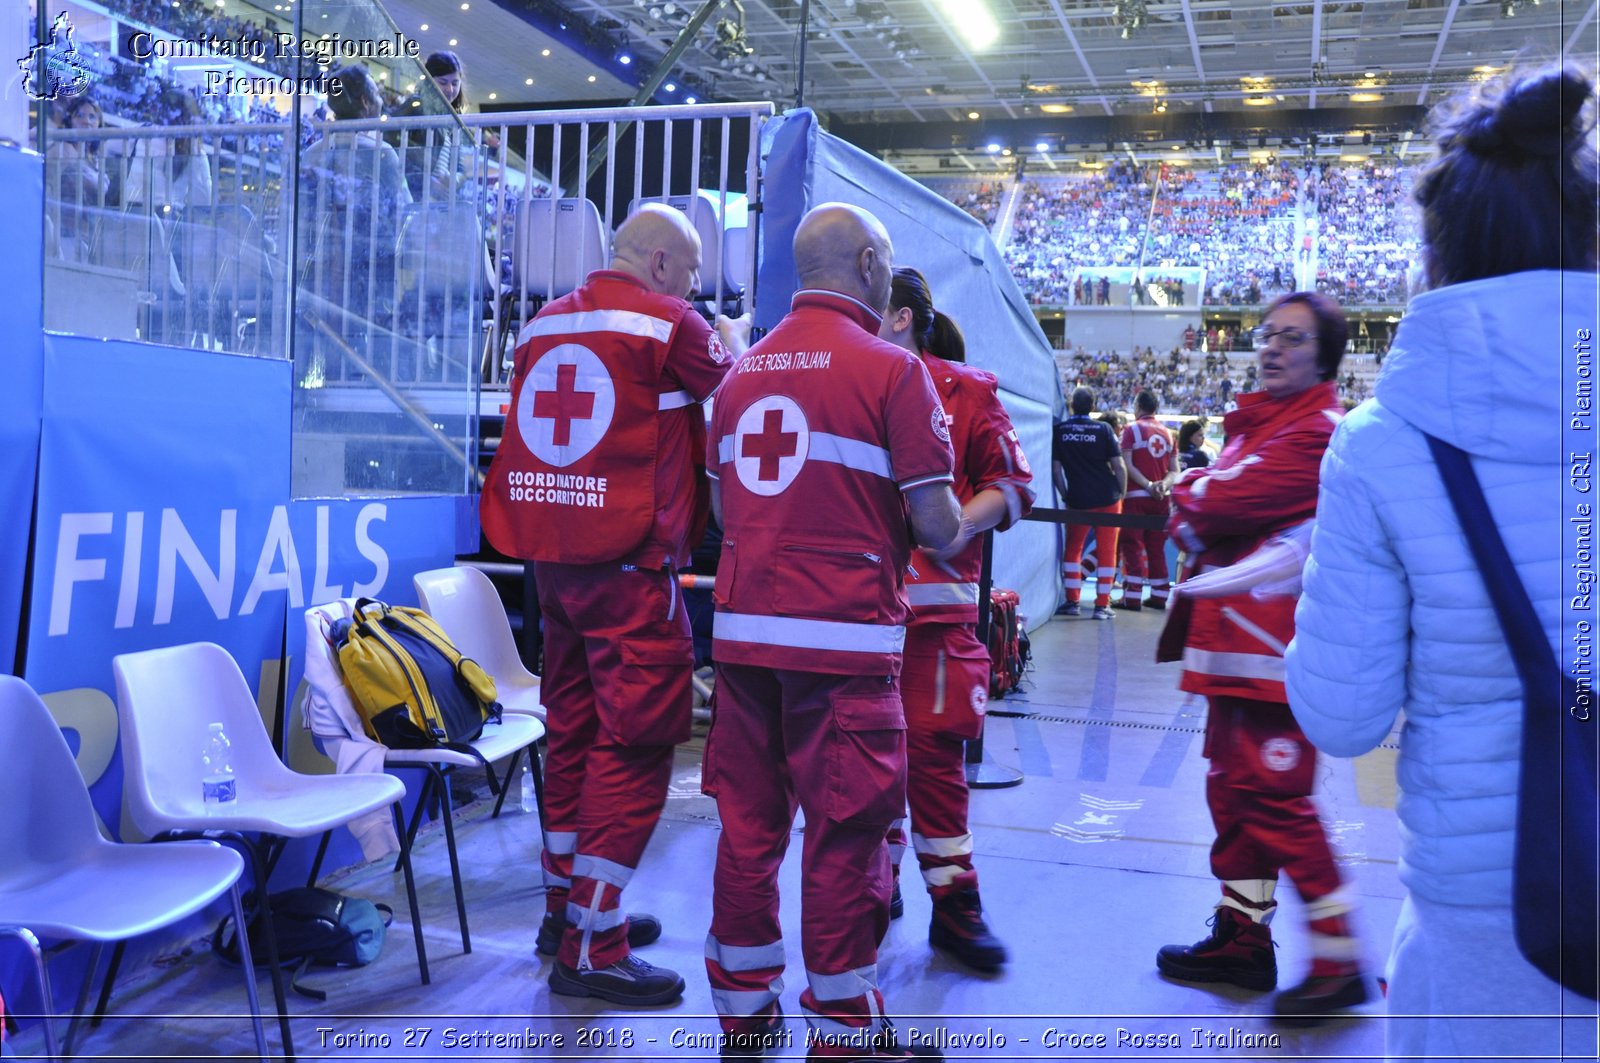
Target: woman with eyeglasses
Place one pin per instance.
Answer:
(1262, 766)
(1395, 617)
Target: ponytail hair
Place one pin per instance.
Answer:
(945, 339)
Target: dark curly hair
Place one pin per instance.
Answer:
(1512, 184)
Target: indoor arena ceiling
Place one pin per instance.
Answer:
(900, 60)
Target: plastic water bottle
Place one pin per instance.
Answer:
(216, 769)
(529, 803)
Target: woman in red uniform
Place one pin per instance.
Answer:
(945, 677)
(1261, 765)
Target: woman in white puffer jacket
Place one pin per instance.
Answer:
(1394, 615)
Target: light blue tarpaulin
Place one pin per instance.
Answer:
(806, 167)
(22, 176)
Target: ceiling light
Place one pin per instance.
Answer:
(494, 95)
(1041, 147)
(974, 115)
(591, 79)
(527, 81)
(1370, 74)
(424, 27)
(1258, 101)
(625, 59)
(690, 99)
(973, 21)
(1056, 108)
(669, 87)
(1006, 153)
(545, 53)
(1352, 158)
(991, 148)
(452, 42)
(466, 7)
(1366, 97)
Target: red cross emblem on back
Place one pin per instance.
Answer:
(565, 404)
(772, 444)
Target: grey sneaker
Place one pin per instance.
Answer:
(1103, 613)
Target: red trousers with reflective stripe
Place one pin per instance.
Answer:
(1144, 550)
(945, 683)
(618, 658)
(834, 746)
(1259, 786)
(1105, 552)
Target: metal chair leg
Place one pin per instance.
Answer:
(536, 765)
(41, 978)
(448, 812)
(83, 998)
(106, 983)
(505, 785)
(279, 997)
(316, 863)
(423, 796)
(249, 974)
(411, 892)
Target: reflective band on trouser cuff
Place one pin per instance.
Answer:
(674, 400)
(1340, 902)
(942, 874)
(1237, 665)
(942, 593)
(846, 986)
(1328, 947)
(588, 919)
(801, 634)
(744, 957)
(624, 321)
(561, 842)
(586, 866)
(961, 846)
(742, 1003)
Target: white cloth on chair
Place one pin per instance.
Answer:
(331, 717)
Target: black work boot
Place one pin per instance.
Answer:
(958, 928)
(630, 982)
(1238, 952)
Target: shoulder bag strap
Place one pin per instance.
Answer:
(1524, 634)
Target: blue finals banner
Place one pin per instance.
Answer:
(162, 519)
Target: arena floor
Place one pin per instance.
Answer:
(1089, 866)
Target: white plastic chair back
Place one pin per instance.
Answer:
(45, 815)
(466, 605)
(166, 699)
(442, 251)
(559, 242)
(735, 262)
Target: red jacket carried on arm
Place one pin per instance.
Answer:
(1264, 481)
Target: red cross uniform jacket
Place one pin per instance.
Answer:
(987, 455)
(599, 459)
(1264, 481)
(1150, 447)
(814, 435)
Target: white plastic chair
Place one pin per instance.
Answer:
(166, 699)
(466, 605)
(60, 879)
(332, 717)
